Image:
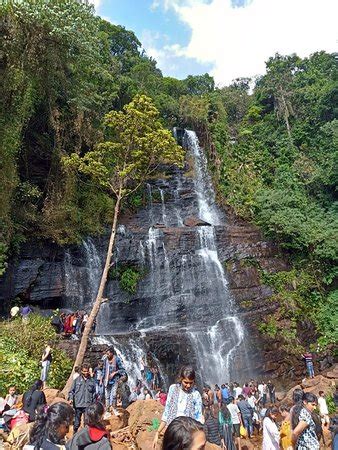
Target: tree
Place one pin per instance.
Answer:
(138, 145)
(199, 84)
(278, 80)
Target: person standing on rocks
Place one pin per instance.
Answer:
(46, 361)
(247, 413)
(272, 392)
(113, 370)
(183, 400)
(265, 393)
(309, 364)
(82, 394)
(323, 409)
(236, 420)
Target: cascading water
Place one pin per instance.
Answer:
(208, 210)
(82, 275)
(182, 310)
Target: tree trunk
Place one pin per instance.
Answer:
(96, 306)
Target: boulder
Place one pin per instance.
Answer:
(333, 373)
(58, 399)
(115, 422)
(142, 413)
(51, 394)
(318, 383)
(193, 221)
(287, 399)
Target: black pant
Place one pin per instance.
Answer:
(77, 420)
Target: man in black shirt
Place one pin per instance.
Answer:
(272, 392)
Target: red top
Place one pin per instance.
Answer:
(96, 434)
(163, 398)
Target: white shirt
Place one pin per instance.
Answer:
(260, 389)
(270, 435)
(252, 401)
(238, 391)
(234, 410)
(322, 406)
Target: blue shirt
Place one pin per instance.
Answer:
(225, 393)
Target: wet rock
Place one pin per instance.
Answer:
(195, 222)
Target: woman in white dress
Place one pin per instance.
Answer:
(183, 400)
(270, 431)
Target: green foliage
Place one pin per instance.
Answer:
(326, 320)
(128, 276)
(3, 257)
(21, 348)
(129, 280)
(331, 404)
(137, 143)
(277, 168)
(269, 327)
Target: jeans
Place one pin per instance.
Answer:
(272, 397)
(309, 366)
(110, 394)
(99, 391)
(77, 420)
(248, 425)
(45, 370)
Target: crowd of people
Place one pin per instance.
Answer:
(222, 415)
(70, 324)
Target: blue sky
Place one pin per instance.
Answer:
(227, 38)
(155, 27)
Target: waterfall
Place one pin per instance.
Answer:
(205, 194)
(183, 309)
(82, 275)
(132, 354)
(217, 346)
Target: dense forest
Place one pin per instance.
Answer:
(272, 144)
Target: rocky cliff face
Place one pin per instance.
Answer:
(181, 297)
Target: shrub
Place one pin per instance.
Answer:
(21, 347)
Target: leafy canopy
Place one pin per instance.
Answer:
(137, 143)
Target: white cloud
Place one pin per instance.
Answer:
(96, 3)
(157, 46)
(238, 41)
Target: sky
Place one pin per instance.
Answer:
(226, 38)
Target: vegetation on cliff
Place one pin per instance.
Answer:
(275, 154)
(273, 148)
(21, 348)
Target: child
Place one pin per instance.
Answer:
(11, 398)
